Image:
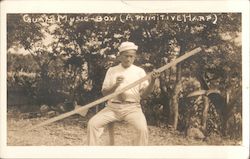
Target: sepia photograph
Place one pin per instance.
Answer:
(58, 63)
(124, 79)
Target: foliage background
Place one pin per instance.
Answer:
(66, 61)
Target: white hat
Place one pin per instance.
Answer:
(127, 46)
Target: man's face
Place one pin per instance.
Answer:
(127, 58)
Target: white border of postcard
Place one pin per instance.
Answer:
(56, 6)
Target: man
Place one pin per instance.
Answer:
(125, 106)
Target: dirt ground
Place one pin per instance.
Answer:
(72, 132)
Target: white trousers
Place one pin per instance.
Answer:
(132, 113)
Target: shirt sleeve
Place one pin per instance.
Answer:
(107, 80)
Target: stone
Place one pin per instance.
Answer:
(195, 133)
(44, 109)
(51, 114)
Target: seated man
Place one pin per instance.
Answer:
(125, 106)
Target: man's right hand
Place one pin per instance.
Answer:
(111, 89)
(119, 80)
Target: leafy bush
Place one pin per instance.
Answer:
(74, 64)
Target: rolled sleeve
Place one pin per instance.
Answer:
(107, 80)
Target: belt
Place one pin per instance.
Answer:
(125, 102)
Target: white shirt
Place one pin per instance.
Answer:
(130, 74)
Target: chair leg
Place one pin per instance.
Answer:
(111, 134)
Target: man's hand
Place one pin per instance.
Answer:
(155, 75)
(119, 80)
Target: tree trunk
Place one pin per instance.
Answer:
(205, 112)
(174, 107)
(218, 101)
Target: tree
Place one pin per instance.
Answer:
(80, 52)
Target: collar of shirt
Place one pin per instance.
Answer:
(122, 68)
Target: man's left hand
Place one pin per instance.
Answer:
(155, 74)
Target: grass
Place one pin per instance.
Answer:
(72, 132)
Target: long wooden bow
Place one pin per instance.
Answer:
(85, 108)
